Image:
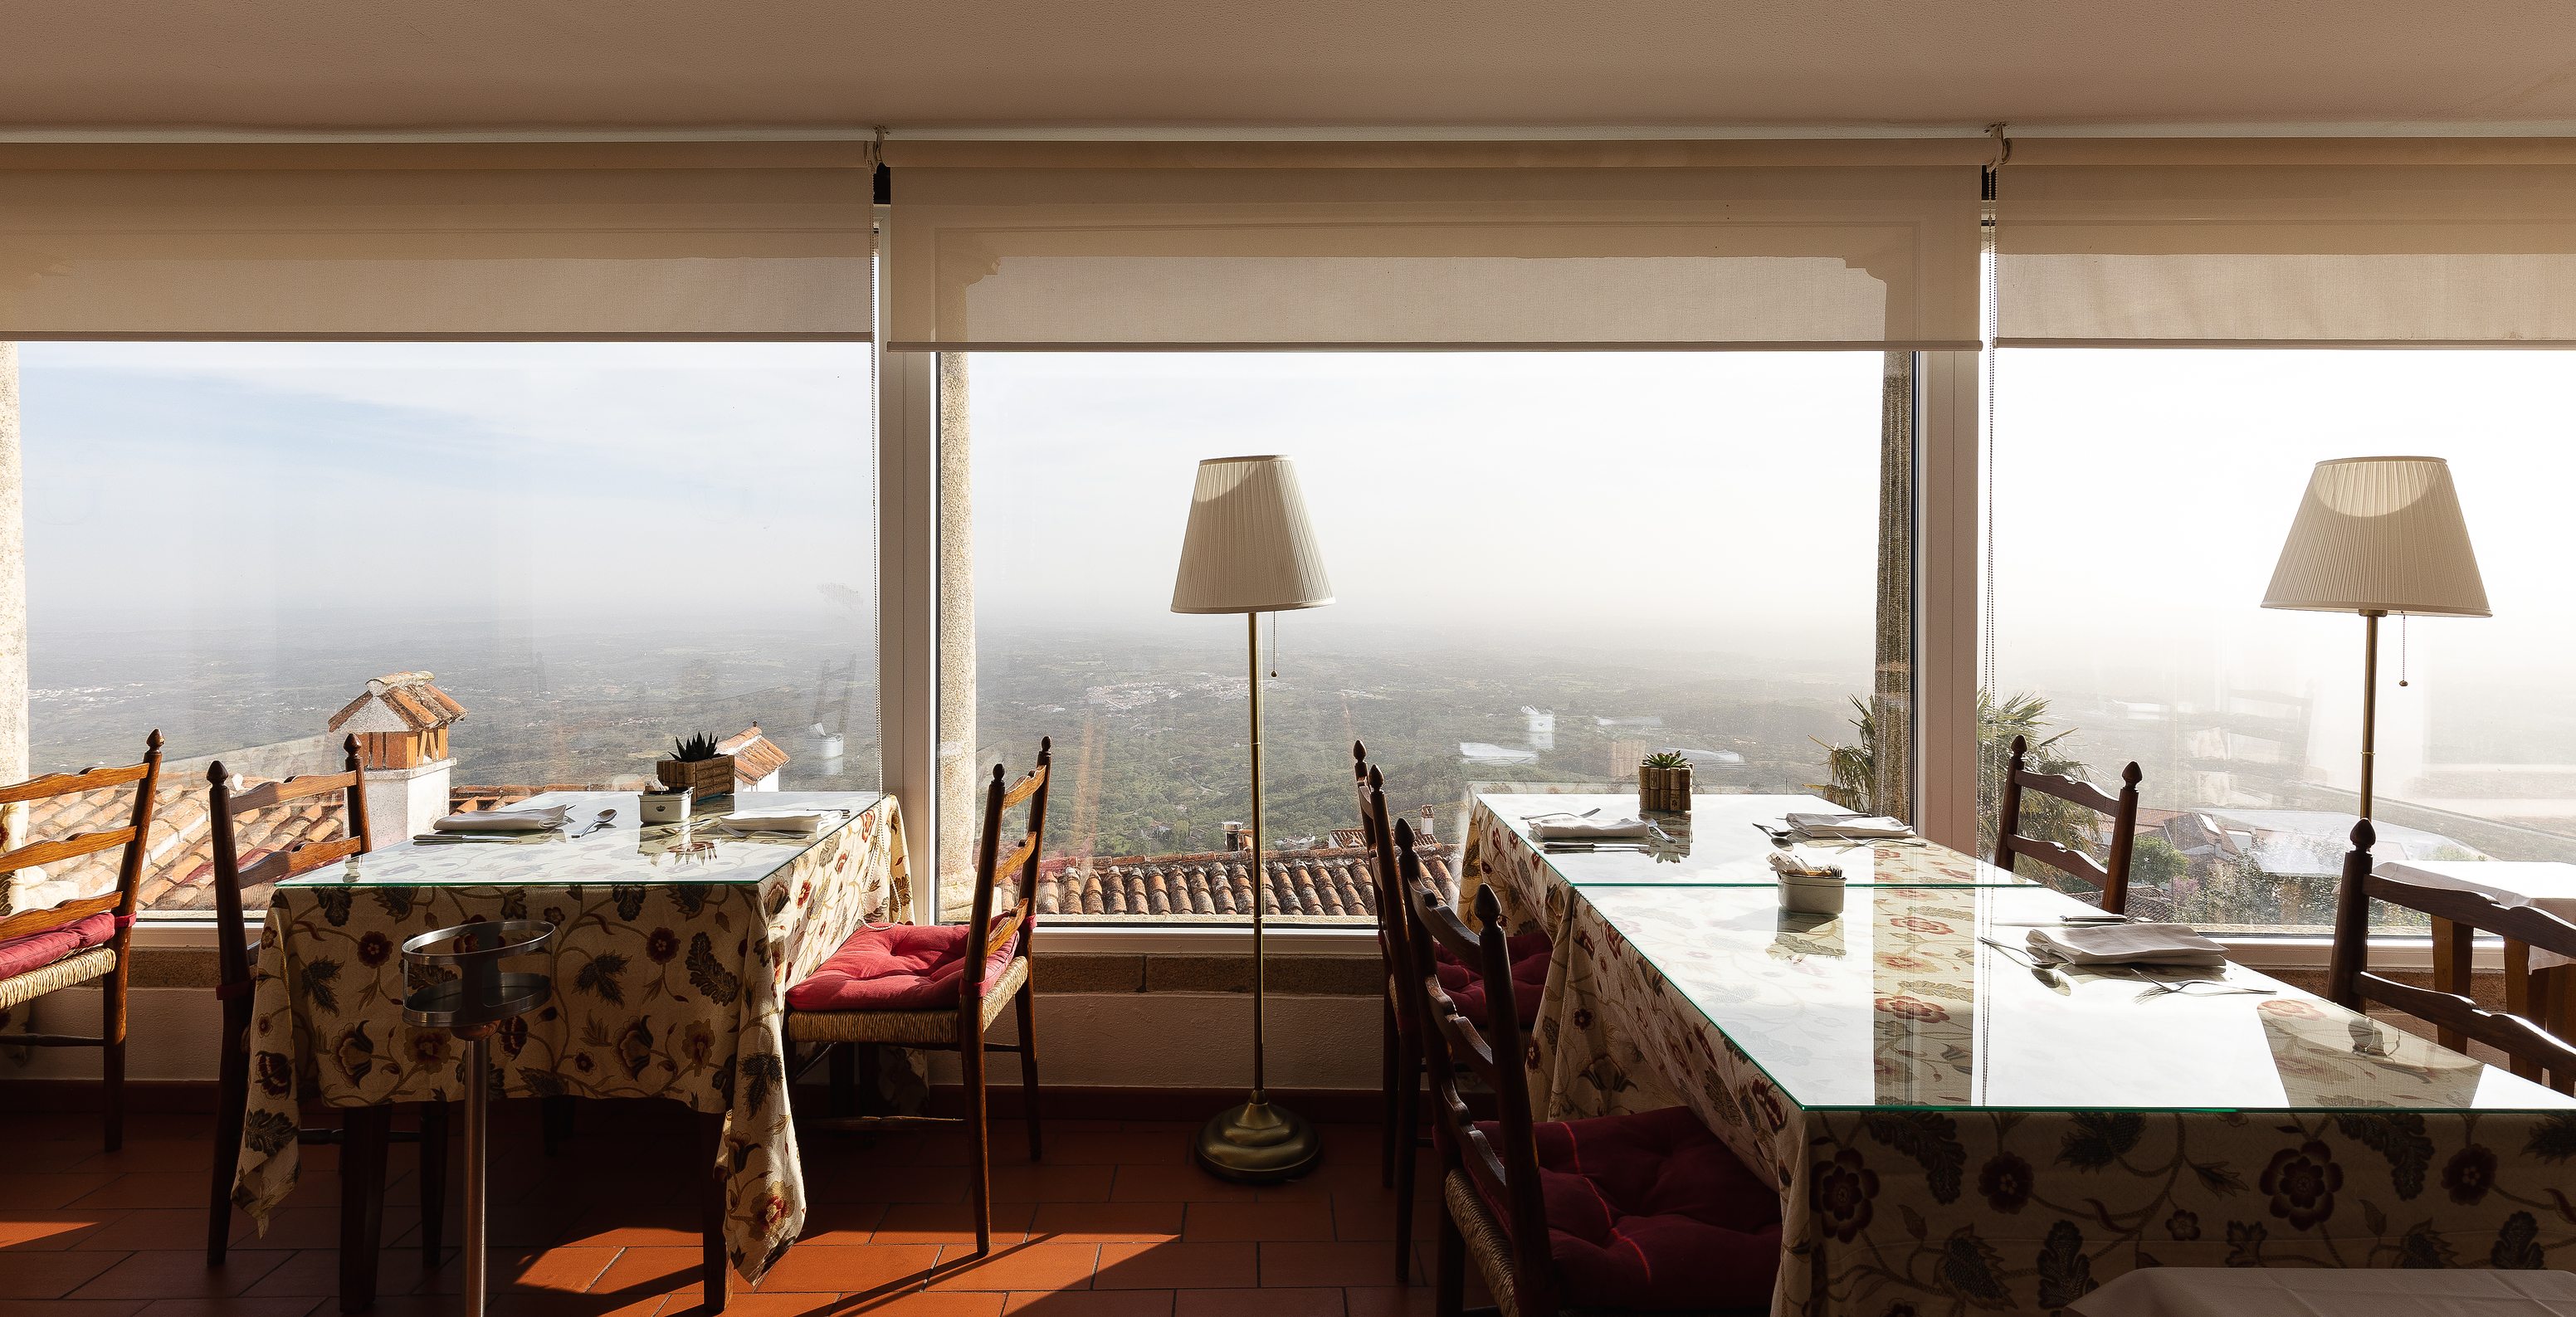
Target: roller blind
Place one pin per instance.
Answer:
(1057, 246)
(2319, 243)
(409, 241)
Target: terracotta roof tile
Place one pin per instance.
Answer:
(755, 756)
(1329, 883)
(419, 706)
(178, 864)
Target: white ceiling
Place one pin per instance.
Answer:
(487, 65)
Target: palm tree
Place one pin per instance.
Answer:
(1853, 767)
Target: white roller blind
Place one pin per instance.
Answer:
(1051, 247)
(610, 241)
(2287, 243)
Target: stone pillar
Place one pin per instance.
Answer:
(958, 806)
(13, 613)
(1891, 698)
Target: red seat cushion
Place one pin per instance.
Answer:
(1529, 952)
(904, 967)
(1651, 1211)
(37, 950)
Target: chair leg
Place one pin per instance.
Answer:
(871, 1095)
(232, 1094)
(980, 1180)
(112, 1055)
(844, 1066)
(555, 1119)
(1387, 1042)
(1449, 1286)
(1408, 1125)
(711, 1212)
(433, 1180)
(362, 1202)
(1029, 1068)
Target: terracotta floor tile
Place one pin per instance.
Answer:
(1090, 1303)
(1106, 1223)
(316, 1271)
(808, 1269)
(740, 1304)
(31, 1156)
(63, 1227)
(951, 1223)
(653, 1271)
(1335, 1178)
(1177, 1266)
(956, 1303)
(1053, 1184)
(1258, 1222)
(507, 1225)
(1337, 1264)
(180, 1274)
(618, 1225)
(1017, 1267)
(179, 1189)
(1258, 1303)
(1373, 1216)
(234, 1307)
(293, 1227)
(551, 1271)
(834, 1225)
(1137, 1147)
(1167, 1126)
(1174, 1184)
(890, 1184)
(38, 1193)
(53, 1273)
(150, 1155)
(1390, 1301)
(71, 1307)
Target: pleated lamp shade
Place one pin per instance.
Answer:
(1249, 548)
(2380, 534)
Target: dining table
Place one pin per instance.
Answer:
(674, 947)
(1957, 1125)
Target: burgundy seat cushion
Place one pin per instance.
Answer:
(1651, 1211)
(905, 967)
(37, 950)
(1529, 952)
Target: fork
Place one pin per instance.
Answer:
(2155, 990)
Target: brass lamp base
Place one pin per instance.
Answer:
(1257, 1143)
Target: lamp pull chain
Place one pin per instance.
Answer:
(1274, 646)
(2401, 649)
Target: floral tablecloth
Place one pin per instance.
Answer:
(1908, 1195)
(662, 989)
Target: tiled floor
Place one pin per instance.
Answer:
(1115, 1223)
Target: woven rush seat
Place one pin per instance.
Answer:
(933, 1028)
(71, 971)
(1645, 1212)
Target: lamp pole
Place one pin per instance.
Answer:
(1261, 876)
(2369, 701)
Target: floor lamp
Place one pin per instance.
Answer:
(2374, 536)
(1249, 550)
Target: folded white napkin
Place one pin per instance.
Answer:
(806, 822)
(2127, 944)
(1848, 825)
(540, 819)
(1797, 862)
(1572, 829)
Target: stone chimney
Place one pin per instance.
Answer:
(401, 724)
(1234, 838)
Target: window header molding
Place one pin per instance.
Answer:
(1540, 154)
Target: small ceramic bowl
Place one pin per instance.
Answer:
(1811, 896)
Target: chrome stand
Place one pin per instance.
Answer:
(479, 1000)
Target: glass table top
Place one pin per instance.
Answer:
(620, 854)
(1899, 1002)
(1717, 844)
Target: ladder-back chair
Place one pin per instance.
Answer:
(2350, 983)
(1399, 1136)
(2111, 878)
(941, 987)
(87, 938)
(364, 1130)
(1707, 1237)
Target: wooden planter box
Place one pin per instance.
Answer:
(703, 777)
(1663, 788)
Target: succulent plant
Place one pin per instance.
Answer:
(1667, 759)
(696, 748)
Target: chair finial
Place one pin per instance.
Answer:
(1377, 780)
(997, 775)
(2131, 775)
(1488, 910)
(2363, 835)
(2020, 743)
(1403, 835)
(152, 743)
(215, 774)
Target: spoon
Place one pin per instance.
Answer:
(604, 816)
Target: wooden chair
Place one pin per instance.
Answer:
(2112, 879)
(2350, 983)
(1400, 1044)
(72, 950)
(1722, 1254)
(856, 999)
(364, 1130)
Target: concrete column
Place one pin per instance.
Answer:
(1891, 700)
(959, 815)
(13, 612)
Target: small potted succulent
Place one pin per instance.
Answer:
(695, 765)
(1663, 782)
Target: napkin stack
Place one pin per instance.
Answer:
(1796, 862)
(544, 818)
(1853, 826)
(1572, 829)
(2127, 944)
(806, 822)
